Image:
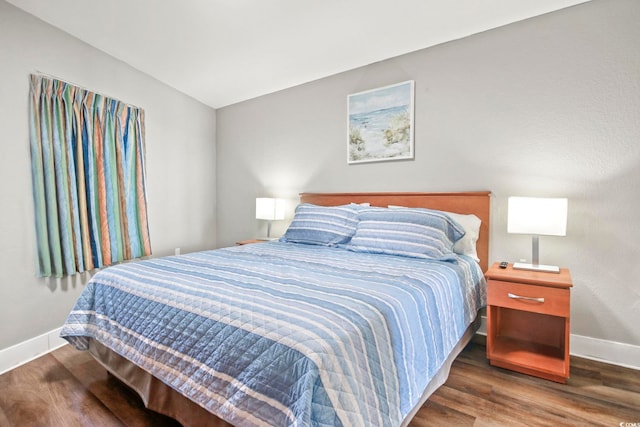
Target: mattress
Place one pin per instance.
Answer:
(285, 334)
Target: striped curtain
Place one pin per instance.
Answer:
(87, 165)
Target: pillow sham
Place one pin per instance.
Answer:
(322, 225)
(471, 225)
(412, 232)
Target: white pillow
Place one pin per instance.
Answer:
(471, 224)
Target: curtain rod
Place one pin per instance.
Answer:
(51, 76)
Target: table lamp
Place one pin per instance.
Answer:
(537, 216)
(269, 209)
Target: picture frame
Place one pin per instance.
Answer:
(381, 124)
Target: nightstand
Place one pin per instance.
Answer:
(250, 241)
(528, 315)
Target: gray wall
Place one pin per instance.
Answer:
(544, 107)
(180, 144)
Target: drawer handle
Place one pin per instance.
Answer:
(514, 296)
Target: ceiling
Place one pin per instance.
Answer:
(225, 51)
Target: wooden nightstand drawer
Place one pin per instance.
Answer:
(537, 299)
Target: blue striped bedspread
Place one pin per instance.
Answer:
(285, 334)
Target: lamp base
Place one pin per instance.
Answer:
(536, 267)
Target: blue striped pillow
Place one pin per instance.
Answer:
(322, 225)
(412, 232)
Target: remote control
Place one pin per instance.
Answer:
(504, 264)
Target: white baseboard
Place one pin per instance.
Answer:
(612, 352)
(616, 353)
(26, 351)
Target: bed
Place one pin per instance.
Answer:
(297, 331)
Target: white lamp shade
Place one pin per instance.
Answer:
(269, 208)
(537, 216)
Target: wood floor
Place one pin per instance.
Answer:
(67, 388)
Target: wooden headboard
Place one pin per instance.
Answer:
(473, 202)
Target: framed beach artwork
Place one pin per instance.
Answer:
(381, 124)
